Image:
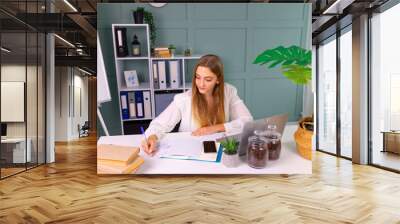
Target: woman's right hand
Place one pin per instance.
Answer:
(149, 146)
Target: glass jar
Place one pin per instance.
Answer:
(257, 152)
(274, 142)
(135, 46)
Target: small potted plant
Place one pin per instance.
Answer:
(138, 15)
(188, 52)
(172, 49)
(230, 157)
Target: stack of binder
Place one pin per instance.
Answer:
(166, 74)
(113, 159)
(135, 104)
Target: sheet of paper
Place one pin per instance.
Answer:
(185, 146)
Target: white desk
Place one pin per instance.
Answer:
(19, 149)
(290, 162)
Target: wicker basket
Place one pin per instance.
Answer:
(303, 138)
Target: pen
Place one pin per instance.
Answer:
(176, 156)
(145, 138)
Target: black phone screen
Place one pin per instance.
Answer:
(209, 147)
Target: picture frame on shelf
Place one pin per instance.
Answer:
(131, 78)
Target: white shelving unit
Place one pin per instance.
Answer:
(146, 76)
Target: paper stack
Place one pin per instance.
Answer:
(113, 159)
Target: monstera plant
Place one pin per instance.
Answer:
(295, 64)
(294, 61)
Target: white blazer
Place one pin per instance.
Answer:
(180, 109)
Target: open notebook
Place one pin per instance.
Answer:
(183, 145)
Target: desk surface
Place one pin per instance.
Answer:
(391, 132)
(14, 140)
(290, 162)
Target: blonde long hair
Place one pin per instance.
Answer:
(203, 115)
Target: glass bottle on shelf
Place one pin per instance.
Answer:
(135, 46)
(257, 152)
(274, 142)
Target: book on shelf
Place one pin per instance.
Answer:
(163, 55)
(161, 48)
(162, 52)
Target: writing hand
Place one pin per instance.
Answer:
(149, 146)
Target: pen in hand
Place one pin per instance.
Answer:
(144, 134)
(147, 147)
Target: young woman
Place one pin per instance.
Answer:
(210, 106)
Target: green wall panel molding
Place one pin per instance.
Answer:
(236, 32)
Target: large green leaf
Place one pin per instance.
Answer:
(297, 74)
(295, 62)
(285, 56)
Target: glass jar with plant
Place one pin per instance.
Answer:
(230, 146)
(172, 49)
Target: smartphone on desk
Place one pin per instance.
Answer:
(209, 147)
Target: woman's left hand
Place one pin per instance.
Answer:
(209, 130)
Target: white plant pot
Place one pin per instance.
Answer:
(172, 51)
(230, 160)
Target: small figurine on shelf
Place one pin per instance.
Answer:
(172, 49)
(135, 46)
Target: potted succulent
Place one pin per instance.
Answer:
(188, 52)
(230, 157)
(172, 49)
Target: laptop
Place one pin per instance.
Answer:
(279, 120)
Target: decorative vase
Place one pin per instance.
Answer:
(138, 17)
(230, 160)
(135, 47)
(303, 138)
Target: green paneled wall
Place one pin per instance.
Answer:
(235, 32)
